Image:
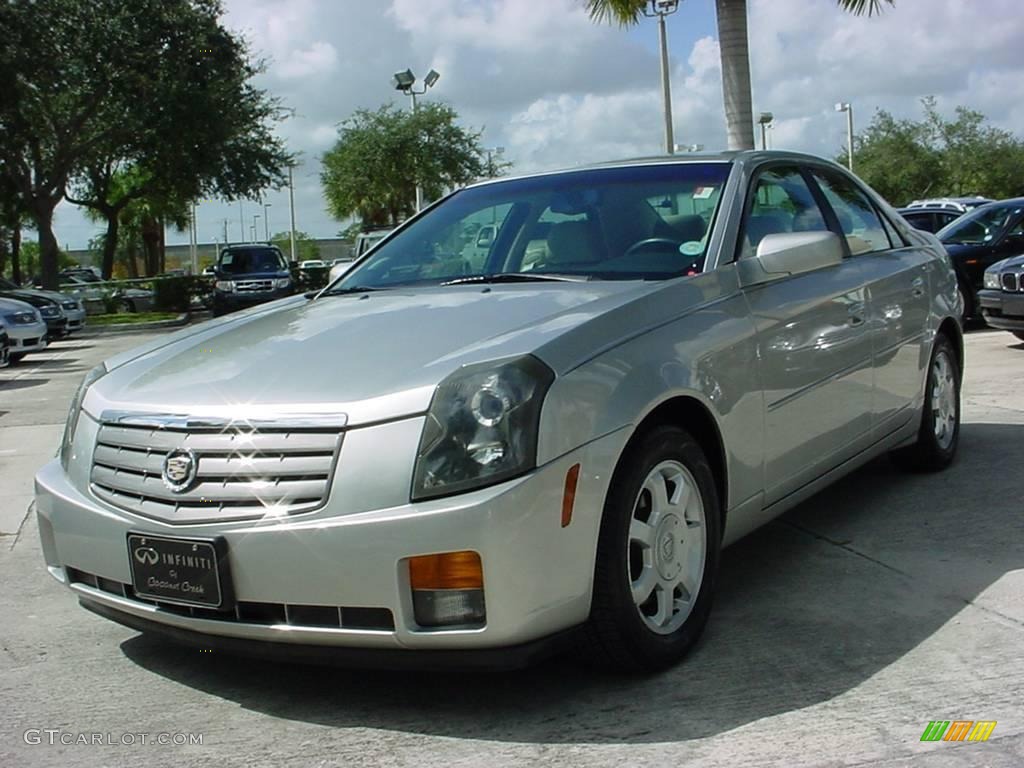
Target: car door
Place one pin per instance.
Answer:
(813, 343)
(898, 277)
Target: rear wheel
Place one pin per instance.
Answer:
(1019, 335)
(657, 557)
(939, 433)
(127, 305)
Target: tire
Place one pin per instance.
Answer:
(967, 300)
(656, 631)
(1018, 334)
(15, 357)
(128, 305)
(936, 442)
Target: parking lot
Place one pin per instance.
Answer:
(839, 632)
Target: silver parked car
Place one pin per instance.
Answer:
(434, 460)
(26, 329)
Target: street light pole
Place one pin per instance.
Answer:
(661, 9)
(405, 81)
(266, 221)
(291, 208)
(765, 120)
(241, 224)
(845, 106)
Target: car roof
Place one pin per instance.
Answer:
(745, 157)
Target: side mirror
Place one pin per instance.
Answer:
(790, 253)
(293, 265)
(483, 240)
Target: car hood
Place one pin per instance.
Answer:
(60, 298)
(370, 356)
(1013, 261)
(29, 296)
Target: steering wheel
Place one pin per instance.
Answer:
(649, 242)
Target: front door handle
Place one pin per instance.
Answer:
(917, 287)
(856, 314)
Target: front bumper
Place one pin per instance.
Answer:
(27, 338)
(76, 319)
(537, 574)
(1002, 309)
(56, 327)
(230, 302)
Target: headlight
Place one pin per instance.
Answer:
(482, 427)
(22, 318)
(226, 286)
(76, 408)
(50, 311)
(282, 282)
(992, 280)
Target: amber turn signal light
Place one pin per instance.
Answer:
(572, 477)
(451, 570)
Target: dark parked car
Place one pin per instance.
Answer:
(979, 239)
(1002, 298)
(929, 219)
(247, 275)
(56, 321)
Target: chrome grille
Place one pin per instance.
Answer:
(253, 286)
(1011, 281)
(242, 473)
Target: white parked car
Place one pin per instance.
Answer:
(26, 329)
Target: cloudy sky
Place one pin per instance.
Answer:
(554, 89)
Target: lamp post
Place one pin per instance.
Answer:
(405, 81)
(661, 9)
(847, 107)
(241, 224)
(291, 209)
(492, 152)
(193, 246)
(266, 221)
(255, 218)
(764, 121)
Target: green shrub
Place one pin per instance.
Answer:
(171, 294)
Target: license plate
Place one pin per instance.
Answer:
(180, 571)
(1013, 305)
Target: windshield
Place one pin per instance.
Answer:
(239, 261)
(632, 223)
(982, 225)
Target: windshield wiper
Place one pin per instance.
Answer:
(346, 291)
(517, 277)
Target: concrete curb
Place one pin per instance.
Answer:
(177, 322)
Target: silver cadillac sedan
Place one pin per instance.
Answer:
(478, 454)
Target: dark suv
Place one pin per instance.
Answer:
(979, 239)
(247, 275)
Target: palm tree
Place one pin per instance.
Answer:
(732, 41)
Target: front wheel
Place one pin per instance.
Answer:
(939, 433)
(1019, 334)
(657, 555)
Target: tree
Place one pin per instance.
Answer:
(306, 246)
(99, 85)
(733, 50)
(373, 168)
(935, 157)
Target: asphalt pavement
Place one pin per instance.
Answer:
(839, 632)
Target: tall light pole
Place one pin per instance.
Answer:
(255, 229)
(193, 246)
(661, 9)
(847, 107)
(266, 221)
(492, 152)
(241, 224)
(405, 81)
(764, 121)
(291, 208)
